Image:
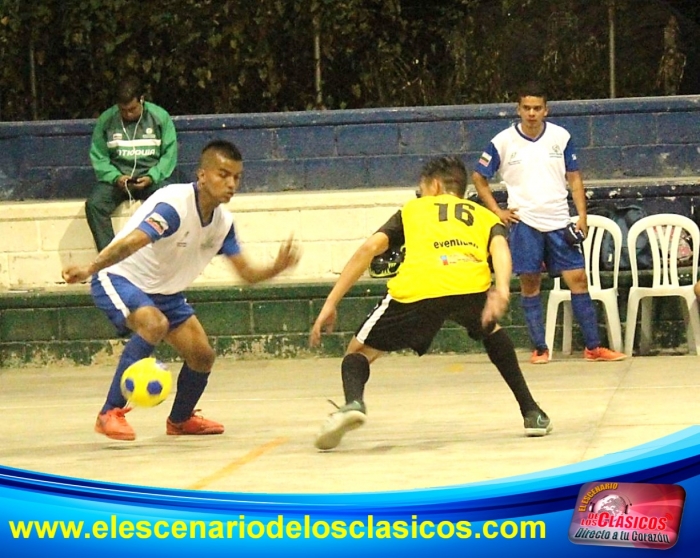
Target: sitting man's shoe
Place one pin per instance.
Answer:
(540, 356)
(601, 353)
(113, 425)
(346, 418)
(196, 425)
(537, 423)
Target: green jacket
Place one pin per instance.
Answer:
(148, 147)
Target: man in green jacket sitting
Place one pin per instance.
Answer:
(133, 152)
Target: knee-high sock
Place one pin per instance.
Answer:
(500, 349)
(355, 373)
(190, 386)
(587, 319)
(532, 307)
(135, 349)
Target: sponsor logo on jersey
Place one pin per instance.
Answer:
(556, 152)
(514, 158)
(451, 243)
(158, 222)
(117, 136)
(451, 259)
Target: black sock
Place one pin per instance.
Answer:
(355, 372)
(500, 349)
(190, 386)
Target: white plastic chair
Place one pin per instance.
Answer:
(597, 227)
(664, 232)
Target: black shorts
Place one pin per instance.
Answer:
(392, 325)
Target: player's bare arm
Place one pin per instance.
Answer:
(483, 189)
(115, 252)
(499, 295)
(578, 195)
(288, 256)
(353, 270)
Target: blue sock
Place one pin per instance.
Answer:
(135, 349)
(190, 386)
(587, 319)
(532, 306)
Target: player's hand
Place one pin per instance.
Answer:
(508, 216)
(141, 183)
(121, 182)
(288, 255)
(325, 321)
(75, 274)
(582, 225)
(495, 307)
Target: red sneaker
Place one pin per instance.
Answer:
(539, 356)
(601, 353)
(113, 425)
(196, 425)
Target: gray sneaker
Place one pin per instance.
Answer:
(346, 418)
(537, 423)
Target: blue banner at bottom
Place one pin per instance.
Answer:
(646, 497)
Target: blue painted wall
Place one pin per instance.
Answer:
(616, 139)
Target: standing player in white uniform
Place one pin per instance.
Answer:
(537, 161)
(138, 279)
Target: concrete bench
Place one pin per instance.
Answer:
(42, 237)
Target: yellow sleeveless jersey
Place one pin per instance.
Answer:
(447, 240)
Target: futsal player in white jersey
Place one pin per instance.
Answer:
(537, 161)
(138, 279)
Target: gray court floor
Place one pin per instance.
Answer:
(432, 421)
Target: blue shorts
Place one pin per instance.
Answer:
(118, 297)
(530, 249)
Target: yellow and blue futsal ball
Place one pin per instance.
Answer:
(146, 383)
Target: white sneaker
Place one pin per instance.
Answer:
(348, 417)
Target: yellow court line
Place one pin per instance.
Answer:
(237, 464)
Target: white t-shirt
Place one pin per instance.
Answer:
(534, 172)
(182, 244)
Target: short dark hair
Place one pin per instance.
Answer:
(532, 89)
(128, 89)
(223, 147)
(450, 171)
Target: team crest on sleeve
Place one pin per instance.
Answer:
(485, 159)
(158, 222)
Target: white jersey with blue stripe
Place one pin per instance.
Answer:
(182, 244)
(534, 172)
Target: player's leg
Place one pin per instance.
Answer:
(99, 207)
(499, 347)
(354, 371)
(149, 326)
(500, 350)
(527, 250)
(129, 309)
(391, 326)
(567, 260)
(191, 342)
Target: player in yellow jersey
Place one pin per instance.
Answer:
(451, 245)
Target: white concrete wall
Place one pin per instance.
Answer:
(39, 238)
